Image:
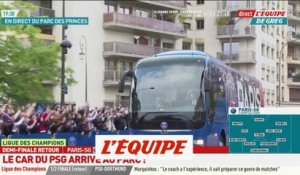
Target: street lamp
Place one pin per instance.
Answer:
(83, 55)
(297, 37)
(65, 45)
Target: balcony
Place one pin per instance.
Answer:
(234, 6)
(130, 51)
(112, 78)
(154, 4)
(48, 39)
(48, 83)
(294, 96)
(293, 59)
(293, 13)
(139, 25)
(294, 82)
(244, 57)
(223, 32)
(293, 40)
(41, 11)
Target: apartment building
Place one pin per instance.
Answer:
(293, 59)
(118, 35)
(255, 49)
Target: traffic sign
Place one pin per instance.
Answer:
(64, 89)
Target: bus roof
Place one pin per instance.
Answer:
(183, 52)
(171, 54)
(193, 53)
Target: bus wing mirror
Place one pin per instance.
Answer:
(125, 74)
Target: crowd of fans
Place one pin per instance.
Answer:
(28, 119)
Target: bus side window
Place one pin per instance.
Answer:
(218, 99)
(220, 110)
(241, 96)
(218, 103)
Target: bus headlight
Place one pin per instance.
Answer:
(199, 142)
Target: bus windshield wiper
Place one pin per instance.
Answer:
(148, 88)
(162, 114)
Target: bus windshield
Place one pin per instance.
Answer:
(168, 86)
(168, 90)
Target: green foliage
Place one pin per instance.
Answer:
(170, 16)
(26, 61)
(184, 17)
(222, 20)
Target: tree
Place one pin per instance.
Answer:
(222, 20)
(26, 61)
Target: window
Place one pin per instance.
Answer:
(142, 13)
(141, 40)
(187, 26)
(200, 1)
(110, 8)
(240, 95)
(168, 45)
(200, 47)
(48, 31)
(235, 47)
(268, 50)
(135, 39)
(110, 65)
(263, 74)
(157, 42)
(277, 91)
(188, 3)
(282, 90)
(186, 46)
(124, 10)
(200, 23)
(248, 3)
(123, 66)
(263, 50)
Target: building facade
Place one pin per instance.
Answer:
(293, 59)
(122, 32)
(118, 35)
(255, 49)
